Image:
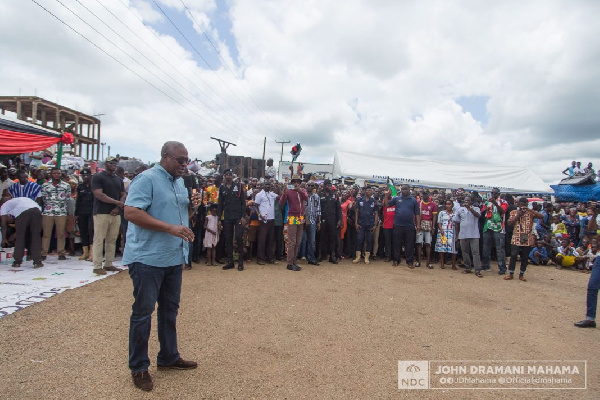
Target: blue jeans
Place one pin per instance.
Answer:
(592, 290)
(152, 285)
(302, 248)
(365, 231)
(491, 238)
(311, 232)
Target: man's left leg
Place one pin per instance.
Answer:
(592, 297)
(499, 240)
(169, 295)
(486, 254)
(524, 254)
(110, 242)
(410, 237)
(61, 223)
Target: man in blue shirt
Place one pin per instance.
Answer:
(407, 223)
(158, 210)
(365, 214)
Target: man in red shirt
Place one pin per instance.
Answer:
(429, 213)
(388, 228)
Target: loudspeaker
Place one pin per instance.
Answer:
(258, 173)
(221, 159)
(238, 170)
(247, 167)
(235, 161)
(258, 163)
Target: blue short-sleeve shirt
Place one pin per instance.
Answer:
(165, 198)
(406, 209)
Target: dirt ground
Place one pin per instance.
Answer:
(329, 331)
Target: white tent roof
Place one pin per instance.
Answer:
(439, 174)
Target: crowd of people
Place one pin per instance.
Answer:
(225, 219)
(301, 219)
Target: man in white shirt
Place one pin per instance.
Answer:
(265, 200)
(28, 218)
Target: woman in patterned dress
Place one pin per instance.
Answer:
(446, 242)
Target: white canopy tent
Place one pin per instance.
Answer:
(438, 174)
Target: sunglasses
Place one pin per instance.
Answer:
(180, 160)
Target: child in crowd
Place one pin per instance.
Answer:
(558, 228)
(211, 235)
(551, 245)
(539, 255)
(567, 254)
(591, 257)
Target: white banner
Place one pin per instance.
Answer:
(24, 286)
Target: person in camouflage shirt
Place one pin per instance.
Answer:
(55, 195)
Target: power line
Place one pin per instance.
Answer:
(227, 66)
(220, 128)
(149, 60)
(118, 61)
(176, 55)
(200, 55)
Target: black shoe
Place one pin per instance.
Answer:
(293, 267)
(16, 264)
(586, 323)
(313, 263)
(62, 258)
(333, 260)
(228, 266)
(240, 267)
(260, 262)
(43, 258)
(142, 380)
(179, 364)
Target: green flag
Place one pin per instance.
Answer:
(392, 187)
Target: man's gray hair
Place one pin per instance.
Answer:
(168, 147)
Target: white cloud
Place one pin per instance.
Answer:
(378, 76)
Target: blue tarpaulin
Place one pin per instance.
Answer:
(577, 193)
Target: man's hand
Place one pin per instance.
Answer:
(418, 228)
(181, 232)
(339, 224)
(4, 243)
(120, 204)
(358, 227)
(319, 226)
(115, 211)
(195, 200)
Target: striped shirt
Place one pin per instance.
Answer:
(313, 209)
(30, 189)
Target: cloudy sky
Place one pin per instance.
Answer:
(507, 83)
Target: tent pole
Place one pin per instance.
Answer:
(59, 156)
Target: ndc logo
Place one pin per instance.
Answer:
(413, 375)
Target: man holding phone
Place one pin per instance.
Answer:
(522, 239)
(295, 197)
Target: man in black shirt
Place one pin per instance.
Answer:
(331, 221)
(232, 207)
(109, 194)
(84, 212)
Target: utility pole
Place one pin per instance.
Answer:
(264, 149)
(223, 144)
(282, 143)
